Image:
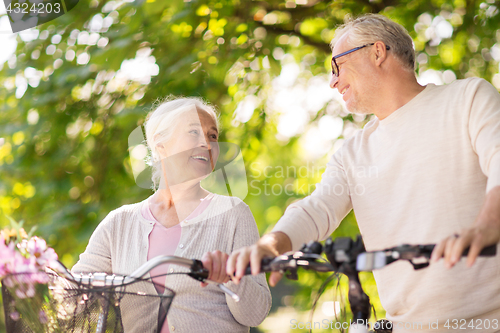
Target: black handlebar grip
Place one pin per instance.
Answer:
(488, 251)
(264, 266)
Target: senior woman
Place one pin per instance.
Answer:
(183, 219)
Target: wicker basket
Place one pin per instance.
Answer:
(71, 307)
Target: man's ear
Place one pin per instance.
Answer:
(380, 53)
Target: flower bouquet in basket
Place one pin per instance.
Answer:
(25, 288)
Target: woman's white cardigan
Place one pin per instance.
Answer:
(120, 245)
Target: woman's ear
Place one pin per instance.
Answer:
(160, 148)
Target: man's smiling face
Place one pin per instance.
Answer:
(356, 81)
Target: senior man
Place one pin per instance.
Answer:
(426, 169)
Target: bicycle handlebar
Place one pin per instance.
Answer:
(350, 257)
(103, 279)
(197, 272)
(291, 261)
(308, 257)
(369, 261)
(193, 264)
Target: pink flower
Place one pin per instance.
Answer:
(22, 265)
(37, 247)
(22, 268)
(49, 256)
(15, 316)
(8, 281)
(20, 293)
(23, 275)
(43, 317)
(7, 257)
(30, 290)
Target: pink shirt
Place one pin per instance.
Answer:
(164, 241)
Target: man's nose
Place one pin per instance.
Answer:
(334, 81)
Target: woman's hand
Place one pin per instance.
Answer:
(215, 262)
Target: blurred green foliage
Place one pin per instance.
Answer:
(67, 108)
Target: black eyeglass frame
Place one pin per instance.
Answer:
(335, 67)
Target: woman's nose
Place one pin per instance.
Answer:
(204, 142)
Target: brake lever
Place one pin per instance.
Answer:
(285, 263)
(225, 289)
(200, 273)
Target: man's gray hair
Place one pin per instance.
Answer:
(371, 28)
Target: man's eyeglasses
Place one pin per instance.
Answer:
(335, 67)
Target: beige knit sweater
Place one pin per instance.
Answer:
(416, 177)
(120, 245)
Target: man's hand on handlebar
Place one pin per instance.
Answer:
(270, 245)
(484, 232)
(477, 238)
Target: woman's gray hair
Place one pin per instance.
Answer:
(161, 122)
(371, 28)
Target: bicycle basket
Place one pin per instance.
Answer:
(65, 306)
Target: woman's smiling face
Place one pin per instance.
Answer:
(192, 151)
